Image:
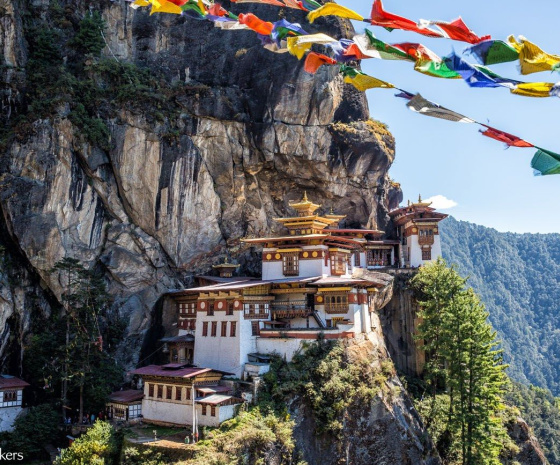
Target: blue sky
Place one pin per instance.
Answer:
(491, 186)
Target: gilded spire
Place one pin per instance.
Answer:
(304, 197)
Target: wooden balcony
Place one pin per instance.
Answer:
(336, 308)
(292, 309)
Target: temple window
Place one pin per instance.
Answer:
(204, 409)
(336, 303)
(425, 236)
(255, 329)
(169, 392)
(338, 263)
(427, 253)
(205, 328)
(357, 258)
(290, 263)
(150, 390)
(229, 308)
(232, 328)
(258, 310)
(214, 329)
(211, 309)
(178, 391)
(378, 257)
(224, 329)
(213, 410)
(10, 396)
(160, 392)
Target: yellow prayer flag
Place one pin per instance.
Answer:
(531, 58)
(139, 3)
(533, 89)
(201, 6)
(300, 44)
(163, 6)
(335, 10)
(363, 82)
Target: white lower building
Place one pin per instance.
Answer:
(11, 399)
(175, 394)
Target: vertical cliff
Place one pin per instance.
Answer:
(150, 161)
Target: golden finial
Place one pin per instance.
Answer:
(419, 198)
(304, 197)
(225, 261)
(332, 211)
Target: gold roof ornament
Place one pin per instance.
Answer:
(420, 202)
(304, 207)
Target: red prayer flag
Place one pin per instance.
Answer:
(380, 17)
(458, 30)
(256, 24)
(314, 61)
(217, 10)
(417, 51)
(509, 139)
(178, 2)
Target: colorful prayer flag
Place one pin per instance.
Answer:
(362, 81)
(458, 30)
(420, 105)
(334, 9)
(267, 2)
(531, 58)
(533, 89)
(371, 47)
(380, 17)
(437, 69)
(281, 29)
(491, 52)
(256, 24)
(299, 45)
(506, 138)
(314, 61)
(545, 162)
(477, 76)
(164, 6)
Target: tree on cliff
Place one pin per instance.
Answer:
(463, 360)
(73, 350)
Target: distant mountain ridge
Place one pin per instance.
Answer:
(518, 279)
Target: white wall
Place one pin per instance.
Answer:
(166, 411)
(285, 347)
(223, 353)
(415, 258)
(8, 416)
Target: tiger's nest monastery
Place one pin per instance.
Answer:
(318, 279)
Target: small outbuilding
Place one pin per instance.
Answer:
(11, 399)
(125, 405)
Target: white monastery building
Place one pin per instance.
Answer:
(318, 280)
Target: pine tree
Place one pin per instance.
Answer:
(464, 360)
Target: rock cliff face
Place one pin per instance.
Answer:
(242, 132)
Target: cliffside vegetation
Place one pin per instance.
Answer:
(70, 359)
(518, 278)
(542, 412)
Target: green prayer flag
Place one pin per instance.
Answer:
(545, 162)
(436, 69)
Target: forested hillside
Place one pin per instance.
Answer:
(518, 278)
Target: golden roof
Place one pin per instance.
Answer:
(304, 207)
